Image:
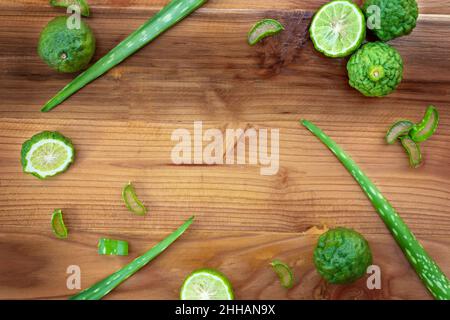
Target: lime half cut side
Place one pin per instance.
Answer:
(338, 28)
(47, 154)
(206, 284)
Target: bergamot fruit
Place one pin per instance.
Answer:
(65, 49)
(396, 17)
(375, 70)
(342, 256)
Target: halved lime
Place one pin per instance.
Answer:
(284, 273)
(206, 284)
(47, 154)
(262, 29)
(84, 7)
(338, 28)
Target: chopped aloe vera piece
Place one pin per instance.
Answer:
(398, 129)
(284, 272)
(105, 286)
(112, 247)
(428, 271)
(413, 150)
(263, 29)
(58, 226)
(424, 130)
(131, 200)
(84, 7)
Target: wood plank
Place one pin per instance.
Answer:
(243, 257)
(203, 70)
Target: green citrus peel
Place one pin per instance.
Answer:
(206, 284)
(284, 273)
(425, 129)
(47, 154)
(398, 129)
(82, 4)
(112, 247)
(427, 270)
(103, 287)
(338, 28)
(58, 226)
(131, 200)
(263, 29)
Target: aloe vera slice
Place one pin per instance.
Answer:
(58, 226)
(131, 200)
(103, 287)
(263, 29)
(428, 271)
(284, 273)
(84, 7)
(425, 129)
(398, 129)
(413, 151)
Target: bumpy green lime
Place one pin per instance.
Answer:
(396, 17)
(65, 49)
(375, 70)
(342, 256)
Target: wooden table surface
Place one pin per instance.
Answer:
(203, 70)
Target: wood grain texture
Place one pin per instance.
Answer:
(203, 70)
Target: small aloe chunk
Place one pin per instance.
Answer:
(425, 129)
(413, 151)
(398, 129)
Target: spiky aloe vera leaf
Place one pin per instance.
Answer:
(398, 129)
(413, 151)
(427, 127)
(103, 287)
(428, 271)
(170, 15)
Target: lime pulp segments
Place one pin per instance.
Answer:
(47, 154)
(338, 28)
(262, 29)
(206, 284)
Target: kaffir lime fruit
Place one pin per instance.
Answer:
(338, 28)
(375, 70)
(342, 256)
(396, 18)
(66, 49)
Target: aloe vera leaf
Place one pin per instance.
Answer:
(427, 270)
(263, 29)
(103, 287)
(413, 151)
(170, 15)
(427, 127)
(398, 129)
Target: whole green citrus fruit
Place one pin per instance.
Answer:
(342, 256)
(396, 17)
(376, 69)
(66, 49)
